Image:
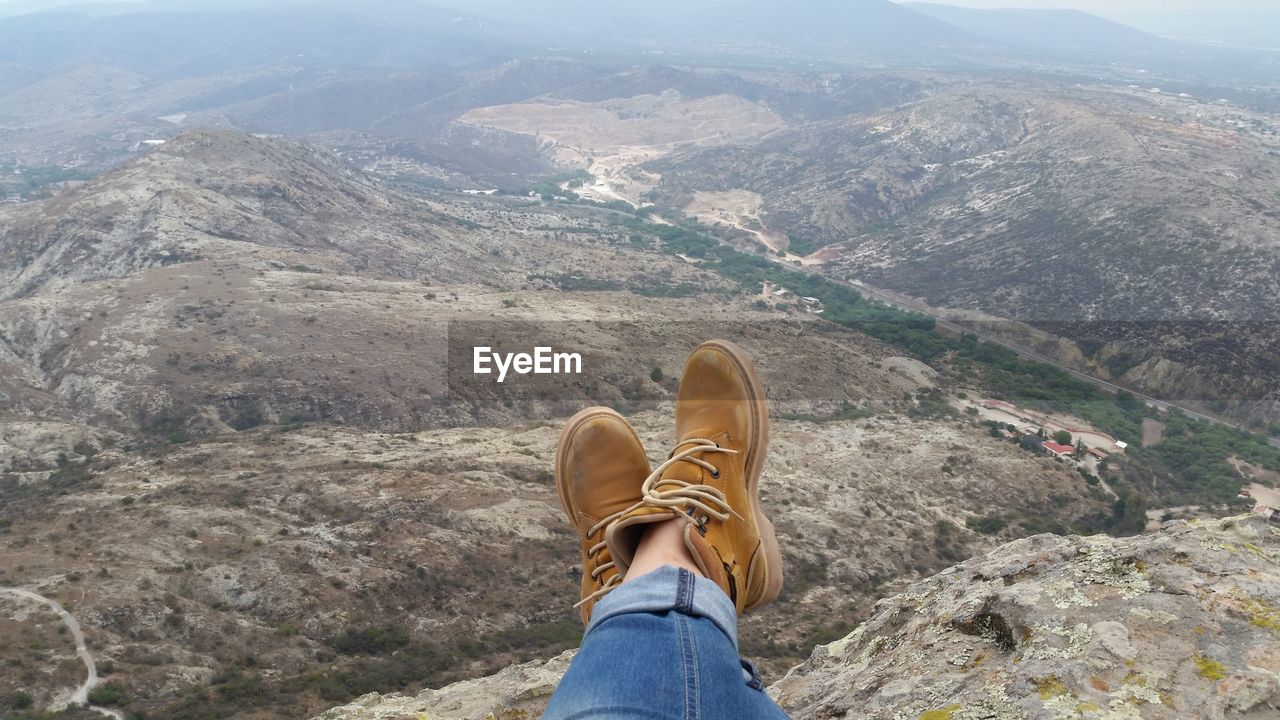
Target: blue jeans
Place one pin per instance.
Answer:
(662, 647)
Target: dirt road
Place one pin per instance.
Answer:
(81, 694)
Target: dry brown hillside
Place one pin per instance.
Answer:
(239, 448)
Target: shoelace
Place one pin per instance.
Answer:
(684, 496)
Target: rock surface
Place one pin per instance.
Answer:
(519, 691)
(1182, 623)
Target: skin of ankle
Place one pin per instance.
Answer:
(662, 544)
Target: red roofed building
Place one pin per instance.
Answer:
(1059, 450)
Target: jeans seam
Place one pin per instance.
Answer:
(689, 660)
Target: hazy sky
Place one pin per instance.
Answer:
(1101, 7)
(1245, 21)
(1097, 6)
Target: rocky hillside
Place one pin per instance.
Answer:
(224, 281)
(1139, 223)
(216, 194)
(237, 444)
(1177, 624)
(300, 566)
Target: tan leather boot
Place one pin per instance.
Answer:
(600, 467)
(710, 479)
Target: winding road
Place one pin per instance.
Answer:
(81, 695)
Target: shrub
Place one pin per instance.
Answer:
(110, 694)
(987, 524)
(371, 640)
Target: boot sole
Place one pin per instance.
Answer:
(771, 554)
(562, 443)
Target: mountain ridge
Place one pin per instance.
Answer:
(1062, 30)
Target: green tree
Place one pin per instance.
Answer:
(656, 375)
(1129, 514)
(1062, 437)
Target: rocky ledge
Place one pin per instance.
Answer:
(1181, 623)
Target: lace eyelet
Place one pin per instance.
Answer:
(715, 474)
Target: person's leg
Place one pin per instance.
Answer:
(676, 565)
(663, 646)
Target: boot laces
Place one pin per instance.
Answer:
(683, 496)
(679, 496)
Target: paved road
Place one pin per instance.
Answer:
(893, 301)
(81, 695)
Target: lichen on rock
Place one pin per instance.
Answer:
(1170, 625)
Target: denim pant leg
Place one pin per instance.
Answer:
(664, 646)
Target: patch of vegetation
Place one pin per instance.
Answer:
(931, 404)
(1209, 669)
(1193, 456)
(166, 427)
(574, 283)
(67, 478)
(35, 182)
(371, 640)
(947, 544)
(1263, 615)
(549, 189)
(1050, 687)
(111, 694)
(988, 524)
(800, 245)
(1128, 515)
(73, 713)
(847, 411)
(378, 659)
(666, 290)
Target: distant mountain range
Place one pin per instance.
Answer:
(1080, 38)
(186, 39)
(1051, 30)
(191, 37)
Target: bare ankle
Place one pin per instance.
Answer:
(662, 544)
